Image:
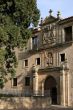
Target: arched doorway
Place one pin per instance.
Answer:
(50, 89)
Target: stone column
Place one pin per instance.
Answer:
(62, 87)
(35, 81)
(42, 89)
(69, 90)
(67, 75)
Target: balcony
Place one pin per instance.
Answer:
(36, 49)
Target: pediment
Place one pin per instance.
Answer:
(49, 20)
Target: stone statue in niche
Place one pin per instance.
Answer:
(49, 58)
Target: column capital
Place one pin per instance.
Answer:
(64, 67)
(35, 68)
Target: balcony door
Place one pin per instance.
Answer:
(34, 42)
(68, 34)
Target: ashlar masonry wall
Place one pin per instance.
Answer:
(24, 102)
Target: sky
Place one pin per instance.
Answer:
(64, 6)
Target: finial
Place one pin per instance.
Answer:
(50, 12)
(41, 20)
(58, 14)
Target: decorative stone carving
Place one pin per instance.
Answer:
(49, 35)
(65, 65)
(34, 69)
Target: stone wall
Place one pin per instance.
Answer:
(24, 102)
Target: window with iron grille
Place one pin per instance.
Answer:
(35, 42)
(27, 81)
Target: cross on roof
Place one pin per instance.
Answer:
(50, 12)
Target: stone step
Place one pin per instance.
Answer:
(50, 108)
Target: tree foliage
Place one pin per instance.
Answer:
(15, 18)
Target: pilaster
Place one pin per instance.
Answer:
(65, 85)
(42, 89)
(69, 89)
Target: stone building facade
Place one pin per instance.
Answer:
(45, 66)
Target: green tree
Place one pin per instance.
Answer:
(15, 19)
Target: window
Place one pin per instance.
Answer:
(63, 57)
(68, 33)
(27, 81)
(34, 42)
(26, 63)
(1, 83)
(37, 61)
(14, 81)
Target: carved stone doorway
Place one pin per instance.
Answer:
(50, 89)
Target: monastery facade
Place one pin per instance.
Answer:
(45, 66)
